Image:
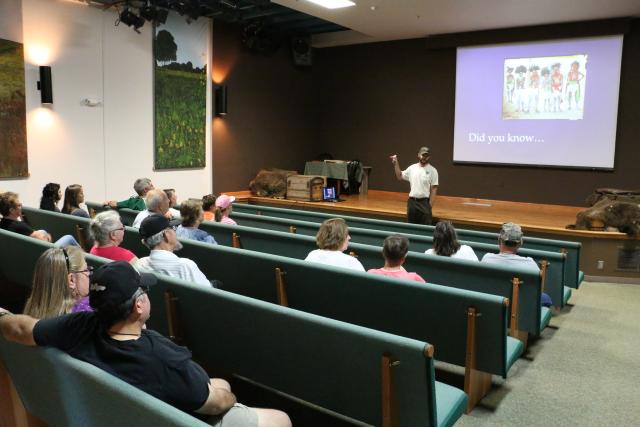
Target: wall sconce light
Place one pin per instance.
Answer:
(221, 100)
(44, 85)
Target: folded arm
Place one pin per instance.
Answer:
(219, 401)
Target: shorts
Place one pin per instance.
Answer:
(238, 416)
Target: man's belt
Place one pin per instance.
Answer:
(419, 198)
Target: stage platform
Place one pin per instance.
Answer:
(539, 220)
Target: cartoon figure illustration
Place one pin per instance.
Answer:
(546, 89)
(521, 91)
(572, 91)
(510, 84)
(534, 88)
(556, 87)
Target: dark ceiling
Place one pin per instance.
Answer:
(269, 17)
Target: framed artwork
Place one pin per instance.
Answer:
(13, 112)
(180, 93)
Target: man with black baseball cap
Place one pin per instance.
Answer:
(423, 182)
(114, 338)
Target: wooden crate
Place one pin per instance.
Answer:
(307, 188)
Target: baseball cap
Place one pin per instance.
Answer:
(511, 232)
(224, 201)
(152, 225)
(114, 283)
(423, 150)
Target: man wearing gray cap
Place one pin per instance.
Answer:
(510, 240)
(423, 181)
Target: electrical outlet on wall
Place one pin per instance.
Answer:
(600, 265)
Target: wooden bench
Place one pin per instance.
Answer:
(573, 276)
(382, 379)
(553, 263)
(44, 386)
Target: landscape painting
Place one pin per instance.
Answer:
(13, 120)
(181, 55)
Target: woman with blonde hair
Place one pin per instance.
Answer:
(192, 216)
(333, 239)
(60, 284)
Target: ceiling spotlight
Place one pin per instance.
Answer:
(153, 14)
(131, 19)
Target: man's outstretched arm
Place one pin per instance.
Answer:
(17, 327)
(396, 167)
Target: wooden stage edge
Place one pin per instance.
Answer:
(478, 213)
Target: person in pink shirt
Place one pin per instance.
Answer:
(108, 232)
(224, 204)
(395, 252)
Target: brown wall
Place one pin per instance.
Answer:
(393, 97)
(270, 112)
(369, 101)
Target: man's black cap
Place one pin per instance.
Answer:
(114, 283)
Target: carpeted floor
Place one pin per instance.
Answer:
(583, 371)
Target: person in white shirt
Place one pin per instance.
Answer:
(445, 243)
(509, 241)
(159, 236)
(423, 181)
(333, 239)
(157, 203)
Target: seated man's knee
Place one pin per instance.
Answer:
(272, 418)
(220, 383)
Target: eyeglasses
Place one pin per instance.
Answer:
(118, 229)
(87, 271)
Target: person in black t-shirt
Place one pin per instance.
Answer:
(114, 338)
(11, 210)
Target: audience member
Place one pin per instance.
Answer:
(114, 338)
(509, 241)
(225, 207)
(142, 186)
(445, 243)
(11, 211)
(50, 197)
(173, 201)
(157, 203)
(209, 208)
(159, 236)
(73, 196)
(333, 239)
(108, 232)
(60, 284)
(394, 252)
(192, 215)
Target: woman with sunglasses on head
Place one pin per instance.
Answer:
(108, 232)
(60, 284)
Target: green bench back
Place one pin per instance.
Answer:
(556, 271)
(329, 363)
(572, 249)
(63, 391)
(444, 271)
(470, 275)
(316, 352)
